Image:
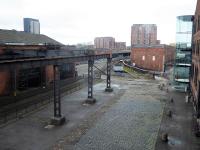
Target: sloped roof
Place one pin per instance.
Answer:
(13, 36)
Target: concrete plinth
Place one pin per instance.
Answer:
(90, 101)
(164, 137)
(57, 121)
(108, 89)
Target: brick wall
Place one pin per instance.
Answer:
(195, 71)
(169, 53)
(49, 74)
(4, 82)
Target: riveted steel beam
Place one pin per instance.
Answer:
(58, 119)
(90, 99)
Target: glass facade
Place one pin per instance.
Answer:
(183, 56)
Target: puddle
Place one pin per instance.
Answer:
(49, 126)
(173, 141)
(102, 86)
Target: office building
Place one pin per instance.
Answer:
(183, 57)
(31, 25)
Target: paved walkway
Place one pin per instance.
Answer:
(180, 127)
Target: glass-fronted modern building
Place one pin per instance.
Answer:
(31, 25)
(183, 57)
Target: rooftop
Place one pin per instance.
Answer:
(23, 38)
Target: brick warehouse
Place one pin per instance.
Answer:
(152, 57)
(19, 45)
(195, 69)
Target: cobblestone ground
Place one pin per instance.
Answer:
(127, 118)
(131, 123)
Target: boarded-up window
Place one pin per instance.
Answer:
(143, 57)
(153, 58)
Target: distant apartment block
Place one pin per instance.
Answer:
(144, 34)
(104, 43)
(120, 45)
(31, 25)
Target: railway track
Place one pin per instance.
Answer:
(18, 110)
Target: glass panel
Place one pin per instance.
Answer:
(182, 72)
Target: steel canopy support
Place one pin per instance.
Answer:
(90, 99)
(108, 81)
(58, 119)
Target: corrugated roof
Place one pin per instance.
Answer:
(13, 36)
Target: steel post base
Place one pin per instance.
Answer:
(90, 101)
(57, 121)
(108, 89)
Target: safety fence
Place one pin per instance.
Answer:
(128, 68)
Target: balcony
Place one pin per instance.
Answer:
(182, 80)
(183, 62)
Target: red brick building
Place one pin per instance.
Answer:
(152, 57)
(195, 70)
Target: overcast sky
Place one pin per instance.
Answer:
(80, 21)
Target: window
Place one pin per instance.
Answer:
(195, 76)
(153, 58)
(193, 48)
(198, 47)
(198, 23)
(143, 58)
(192, 71)
(194, 27)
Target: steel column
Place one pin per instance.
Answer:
(108, 81)
(42, 77)
(90, 98)
(56, 88)
(90, 78)
(57, 119)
